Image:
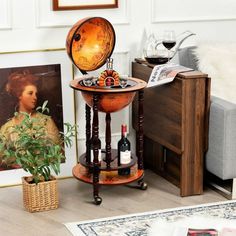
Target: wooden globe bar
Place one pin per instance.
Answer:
(89, 43)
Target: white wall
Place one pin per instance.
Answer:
(31, 24)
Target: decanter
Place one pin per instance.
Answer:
(109, 77)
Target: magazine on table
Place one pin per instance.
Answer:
(165, 73)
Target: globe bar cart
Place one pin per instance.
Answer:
(106, 171)
(89, 44)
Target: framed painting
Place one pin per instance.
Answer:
(53, 71)
(61, 5)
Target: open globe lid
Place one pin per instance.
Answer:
(90, 42)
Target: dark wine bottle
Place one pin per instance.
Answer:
(99, 150)
(124, 153)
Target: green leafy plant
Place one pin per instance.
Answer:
(32, 149)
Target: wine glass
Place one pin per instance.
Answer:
(123, 81)
(169, 41)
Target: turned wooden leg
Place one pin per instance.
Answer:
(139, 137)
(95, 136)
(108, 140)
(88, 132)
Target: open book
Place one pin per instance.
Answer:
(165, 73)
(202, 232)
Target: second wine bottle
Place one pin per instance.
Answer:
(124, 151)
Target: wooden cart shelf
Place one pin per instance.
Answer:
(107, 177)
(113, 164)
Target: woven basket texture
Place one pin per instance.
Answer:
(40, 197)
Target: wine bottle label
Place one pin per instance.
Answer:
(99, 155)
(125, 157)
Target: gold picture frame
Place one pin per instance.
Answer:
(63, 5)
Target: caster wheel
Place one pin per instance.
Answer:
(143, 186)
(97, 200)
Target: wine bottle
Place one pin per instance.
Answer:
(99, 150)
(124, 153)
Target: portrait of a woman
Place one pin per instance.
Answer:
(23, 86)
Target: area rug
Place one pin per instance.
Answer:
(139, 224)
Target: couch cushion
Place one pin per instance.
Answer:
(221, 155)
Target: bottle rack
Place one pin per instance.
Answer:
(104, 165)
(106, 172)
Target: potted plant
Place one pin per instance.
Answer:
(34, 151)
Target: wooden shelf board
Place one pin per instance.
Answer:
(106, 177)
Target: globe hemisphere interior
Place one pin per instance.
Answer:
(90, 42)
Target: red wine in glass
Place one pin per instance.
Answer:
(169, 41)
(168, 44)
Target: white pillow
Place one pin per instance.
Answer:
(218, 60)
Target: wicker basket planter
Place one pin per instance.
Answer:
(40, 197)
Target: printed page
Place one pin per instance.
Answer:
(165, 73)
